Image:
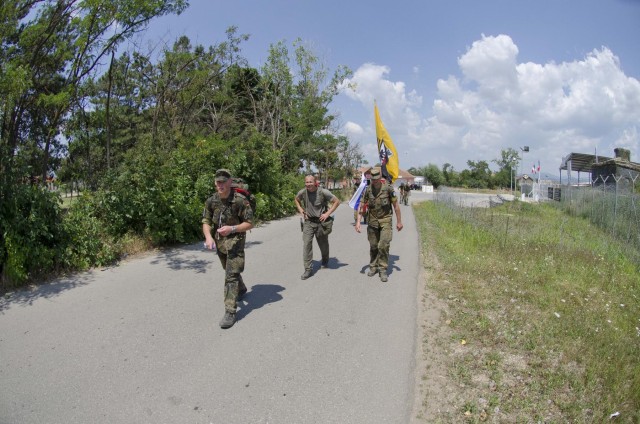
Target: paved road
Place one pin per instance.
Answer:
(140, 342)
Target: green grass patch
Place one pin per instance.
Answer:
(547, 305)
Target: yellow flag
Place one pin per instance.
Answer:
(386, 151)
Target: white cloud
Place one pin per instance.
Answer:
(353, 129)
(497, 103)
(398, 108)
(491, 63)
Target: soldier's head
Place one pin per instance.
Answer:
(223, 182)
(376, 176)
(367, 173)
(310, 183)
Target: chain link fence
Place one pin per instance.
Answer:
(611, 203)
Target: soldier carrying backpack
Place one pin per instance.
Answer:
(226, 218)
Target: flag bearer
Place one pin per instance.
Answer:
(381, 201)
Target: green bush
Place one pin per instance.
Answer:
(88, 242)
(32, 234)
(152, 196)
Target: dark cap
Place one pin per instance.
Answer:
(375, 173)
(223, 175)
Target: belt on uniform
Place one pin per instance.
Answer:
(314, 220)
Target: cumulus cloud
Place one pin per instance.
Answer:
(370, 84)
(353, 129)
(496, 102)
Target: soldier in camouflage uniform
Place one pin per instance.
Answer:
(315, 205)
(382, 201)
(228, 215)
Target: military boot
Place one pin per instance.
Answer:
(372, 272)
(383, 277)
(228, 320)
(307, 274)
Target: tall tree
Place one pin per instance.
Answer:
(509, 159)
(293, 106)
(48, 49)
(350, 157)
(433, 175)
(54, 52)
(478, 175)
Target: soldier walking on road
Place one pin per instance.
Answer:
(312, 203)
(381, 201)
(229, 214)
(405, 191)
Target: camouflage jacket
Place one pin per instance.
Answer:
(380, 206)
(235, 210)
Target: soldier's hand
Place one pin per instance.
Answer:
(399, 226)
(209, 244)
(225, 230)
(358, 225)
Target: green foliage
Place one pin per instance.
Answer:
(477, 176)
(451, 177)
(509, 159)
(150, 196)
(160, 196)
(32, 231)
(88, 241)
(432, 174)
(144, 139)
(48, 50)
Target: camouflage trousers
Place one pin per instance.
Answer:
(231, 254)
(379, 234)
(309, 230)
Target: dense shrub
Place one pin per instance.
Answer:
(154, 196)
(88, 241)
(32, 234)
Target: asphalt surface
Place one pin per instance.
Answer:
(140, 342)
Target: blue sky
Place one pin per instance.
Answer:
(457, 80)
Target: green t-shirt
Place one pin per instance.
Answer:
(318, 201)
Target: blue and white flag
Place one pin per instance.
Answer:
(354, 203)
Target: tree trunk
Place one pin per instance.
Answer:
(107, 114)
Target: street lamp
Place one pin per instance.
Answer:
(524, 150)
(511, 177)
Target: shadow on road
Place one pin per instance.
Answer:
(27, 296)
(176, 260)
(334, 263)
(258, 296)
(392, 265)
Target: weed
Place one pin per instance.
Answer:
(548, 308)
